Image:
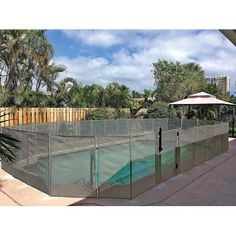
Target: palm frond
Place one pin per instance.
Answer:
(8, 145)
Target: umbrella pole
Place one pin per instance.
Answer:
(233, 113)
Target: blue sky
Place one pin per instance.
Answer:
(126, 56)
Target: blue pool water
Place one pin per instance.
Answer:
(114, 166)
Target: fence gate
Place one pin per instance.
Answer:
(168, 146)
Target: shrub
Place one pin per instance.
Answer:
(159, 110)
(105, 113)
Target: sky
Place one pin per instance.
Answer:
(126, 56)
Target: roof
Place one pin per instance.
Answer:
(201, 99)
(230, 35)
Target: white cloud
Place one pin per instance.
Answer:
(95, 37)
(99, 70)
(132, 62)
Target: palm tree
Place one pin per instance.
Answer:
(93, 95)
(51, 75)
(117, 96)
(42, 54)
(213, 90)
(7, 144)
(11, 56)
(25, 64)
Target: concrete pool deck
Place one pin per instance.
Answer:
(212, 183)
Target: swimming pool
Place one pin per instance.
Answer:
(83, 166)
(70, 168)
(113, 165)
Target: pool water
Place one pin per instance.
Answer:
(113, 161)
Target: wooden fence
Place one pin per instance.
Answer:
(20, 116)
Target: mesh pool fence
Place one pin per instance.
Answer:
(111, 158)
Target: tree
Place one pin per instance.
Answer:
(136, 94)
(175, 81)
(93, 95)
(117, 96)
(74, 93)
(135, 107)
(51, 76)
(12, 56)
(212, 89)
(25, 65)
(148, 97)
(62, 89)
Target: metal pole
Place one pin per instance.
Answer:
(160, 140)
(91, 128)
(92, 167)
(116, 127)
(158, 156)
(129, 126)
(194, 144)
(27, 156)
(56, 127)
(142, 126)
(153, 125)
(233, 122)
(204, 142)
(130, 168)
(177, 155)
(105, 127)
(49, 163)
(76, 127)
(97, 166)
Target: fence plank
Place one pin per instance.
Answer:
(33, 115)
(38, 115)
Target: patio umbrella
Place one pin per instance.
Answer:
(203, 99)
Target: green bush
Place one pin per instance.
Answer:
(103, 113)
(119, 114)
(160, 110)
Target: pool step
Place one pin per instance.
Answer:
(141, 168)
(41, 169)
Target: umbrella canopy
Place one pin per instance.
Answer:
(201, 99)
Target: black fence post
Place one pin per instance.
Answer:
(158, 156)
(157, 160)
(160, 140)
(177, 156)
(130, 168)
(92, 167)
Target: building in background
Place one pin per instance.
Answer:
(222, 82)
